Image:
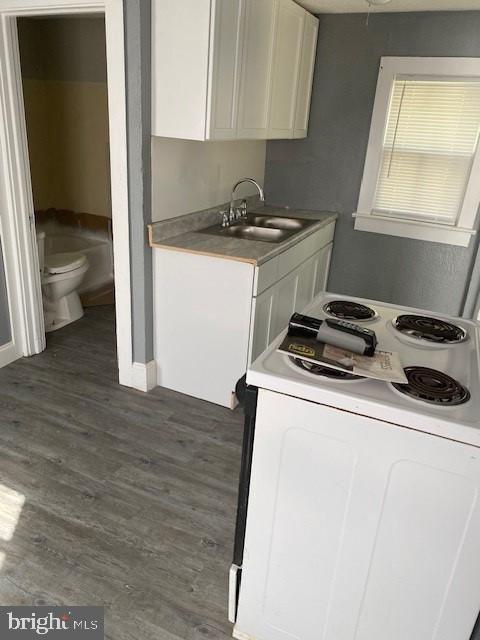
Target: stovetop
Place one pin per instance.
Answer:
(457, 364)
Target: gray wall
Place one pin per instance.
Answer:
(4, 312)
(138, 72)
(324, 171)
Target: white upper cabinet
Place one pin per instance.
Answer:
(287, 54)
(256, 69)
(196, 49)
(231, 69)
(305, 79)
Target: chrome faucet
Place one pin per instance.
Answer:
(241, 212)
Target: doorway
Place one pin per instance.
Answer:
(64, 77)
(18, 229)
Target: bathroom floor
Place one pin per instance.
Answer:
(112, 497)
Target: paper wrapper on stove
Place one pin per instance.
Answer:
(384, 365)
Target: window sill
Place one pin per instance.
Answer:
(413, 229)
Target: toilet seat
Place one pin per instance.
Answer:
(64, 262)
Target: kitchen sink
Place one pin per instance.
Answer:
(250, 232)
(278, 222)
(261, 227)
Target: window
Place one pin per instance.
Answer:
(422, 170)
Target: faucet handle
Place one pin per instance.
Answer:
(243, 209)
(225, 218)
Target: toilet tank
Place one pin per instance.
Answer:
(41, 250)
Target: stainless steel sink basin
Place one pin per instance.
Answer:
(250, 232)
(261, 227)
(278, 222)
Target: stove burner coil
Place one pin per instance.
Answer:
(430, 329)
(326, 372)
(349, 310)
(434, 387)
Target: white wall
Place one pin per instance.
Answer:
(190, 176)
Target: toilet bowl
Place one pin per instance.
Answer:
(61, 276)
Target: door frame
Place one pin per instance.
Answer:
(19, 238)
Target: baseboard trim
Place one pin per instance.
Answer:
(144, 375)
(239, 635)
(8, 354)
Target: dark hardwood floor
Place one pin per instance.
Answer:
(123, 499)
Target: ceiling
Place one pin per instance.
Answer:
(361, 6)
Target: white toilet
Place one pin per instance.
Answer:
(61, 275)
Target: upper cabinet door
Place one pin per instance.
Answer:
(289, 27)
(224, 81)
(256, 69)
(180, 59)
(305, 80)
(196, 60)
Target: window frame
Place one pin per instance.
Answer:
(365, 219)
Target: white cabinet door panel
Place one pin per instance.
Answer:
(285, 295)
(263, 313)
(272, 309)
(294, 256)
(357, 529)
(322, 269)
(256, 69)
(289, 24)
(305, 284)
(305, 80)
(227, 34)
(180, 58)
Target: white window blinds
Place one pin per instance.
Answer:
(429, 144)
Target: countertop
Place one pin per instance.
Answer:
(252, 251)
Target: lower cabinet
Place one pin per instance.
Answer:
(213, 316)
(271, 310)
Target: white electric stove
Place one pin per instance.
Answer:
(363, 519)
(446, 345)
